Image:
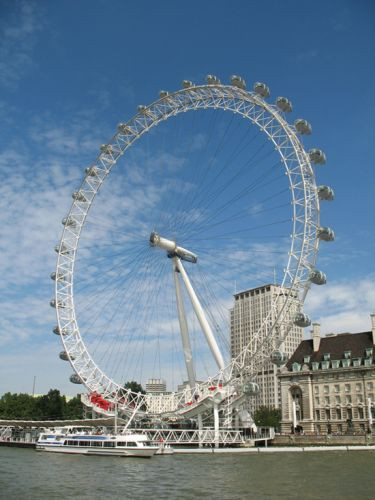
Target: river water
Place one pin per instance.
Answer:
(28, 474)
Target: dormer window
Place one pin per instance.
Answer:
(327, 356)
(306, 359)
(368, 352)
(347, 354)
(325, 365)
(357, 362)
(296, 367)
(315, 365)
(345, 362)
(335, 363)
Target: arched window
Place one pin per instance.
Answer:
(296, 394)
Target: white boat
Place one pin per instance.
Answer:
(122, 445)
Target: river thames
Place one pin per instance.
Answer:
(26, 473)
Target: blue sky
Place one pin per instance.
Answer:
(71, 71)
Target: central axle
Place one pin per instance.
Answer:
(171, 247)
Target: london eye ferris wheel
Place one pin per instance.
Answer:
(207, 187)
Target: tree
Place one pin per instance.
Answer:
(134, 387)
(73, 409)
(266, 416)
(51, 406)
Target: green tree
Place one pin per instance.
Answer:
(134, 387)
(266, 416)
(17, 406)
(51, 406)
(73, 409)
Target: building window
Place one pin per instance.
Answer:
(338, 414)
(347, 354)
(358, 387)
(317, 414)
(359, 398)
(337, 388)
(345, 363)
(306, 359)
(360, 413)
(326, 389)
(327, 356)
(328, 414)
(339, 428)
(338, 399)
(348, 399)
(325, 365)
(326, 400)
(357, 362)
(368, 352)
(315, 365)
(296, 367)
(347, 387)
(316, 389)
(370, 386)
(317, 401)
(335, 363)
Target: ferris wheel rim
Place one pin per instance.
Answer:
(191, 98)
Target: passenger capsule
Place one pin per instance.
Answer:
(53, 276)
(302, 126)
(75, 379)
(284, 104)
(261, 89)
(186, 84)
(142, 109)
(279, 358)
(124, 129)
(106, 148)
(91, 171)
(318, 277)
(57, 331)
(52, 303)
(251, 389)
(68, 221)
(79, 196)
(64, 356)
(302, 320)
(326, 234)
(238, 81)
(163, 93)
(212, 80)
(62, 249)
(317, 156)
(325, 193)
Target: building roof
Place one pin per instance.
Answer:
(334, 345)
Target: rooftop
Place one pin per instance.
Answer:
(335, 345)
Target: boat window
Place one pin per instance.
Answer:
(96, 443)
(131, 443)
(109, 444)
(84, 443)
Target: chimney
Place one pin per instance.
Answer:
(316, 336)
(373, 327)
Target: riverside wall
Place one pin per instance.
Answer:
(323, 440)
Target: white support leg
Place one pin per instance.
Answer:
(200, 428)
(216, 424)
(184, 328)
(201, 317)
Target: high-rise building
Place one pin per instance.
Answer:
(251, 308)
(156, 386)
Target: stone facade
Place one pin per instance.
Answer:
(331, 381)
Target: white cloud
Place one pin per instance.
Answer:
(343, 306)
